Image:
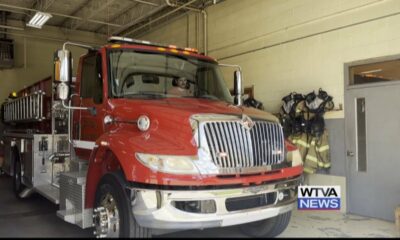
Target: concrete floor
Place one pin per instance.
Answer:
(36, 217)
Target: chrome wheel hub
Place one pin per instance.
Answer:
(106, 218)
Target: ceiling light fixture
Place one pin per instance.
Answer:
(372, 71)
(39, 19)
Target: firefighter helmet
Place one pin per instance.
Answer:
(12, 95)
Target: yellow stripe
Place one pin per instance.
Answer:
(312, 158)
(324, 165)
(323, 148)
(308, 170)
(302, 143)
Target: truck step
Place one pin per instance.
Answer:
(26, 192)
(78, 165)
(72, 199)
(83, 220)
(50, 192)
(77, 177)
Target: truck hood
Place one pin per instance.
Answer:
(170, 129)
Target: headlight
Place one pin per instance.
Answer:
(169, 163)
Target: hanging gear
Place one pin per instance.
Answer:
(287, 124)
(317, 126)
(290, 103)
(318, 156)
(301, 142)
(291, 114)
(251, 102)
(299, 125)
(304, 125)
(320, 103)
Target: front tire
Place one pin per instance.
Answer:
(112, 210)
(270, 227)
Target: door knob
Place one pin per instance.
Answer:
(350, 153)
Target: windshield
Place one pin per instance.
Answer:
(154, 75)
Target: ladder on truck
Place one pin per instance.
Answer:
(25, 109)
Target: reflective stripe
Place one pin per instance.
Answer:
(312, 158)
(301, 142)
(308, 170)
(323, 148)
(84, 144)
(325, 165)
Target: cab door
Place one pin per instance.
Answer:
(88, 124)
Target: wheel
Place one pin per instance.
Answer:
(270, 227)
(112, 215)
(18, 187)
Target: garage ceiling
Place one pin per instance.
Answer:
(128, 18)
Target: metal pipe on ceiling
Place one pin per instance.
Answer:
(62, 40)
(205, 40)
(13, 11)
(148, 3)
(161, 17)
(169, 3)
(61, 15)
(11, 27)
(127, 26)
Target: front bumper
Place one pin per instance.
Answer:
(155, 208)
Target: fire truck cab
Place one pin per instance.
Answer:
(147, 139)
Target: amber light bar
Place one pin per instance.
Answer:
(116, 39)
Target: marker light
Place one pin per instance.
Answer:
(143, 123)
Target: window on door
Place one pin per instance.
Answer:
(92, 84)
(386, 71)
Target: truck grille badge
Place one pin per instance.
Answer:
(247, 122)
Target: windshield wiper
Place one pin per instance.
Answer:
(211, 97)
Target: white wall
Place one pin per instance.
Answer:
(34, 51)
(293, 45)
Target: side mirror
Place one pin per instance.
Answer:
(238, 88)
(62, 72)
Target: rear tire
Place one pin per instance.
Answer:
(18, 186)
(270, 227)
(111, 189)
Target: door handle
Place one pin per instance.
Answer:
(93, 111)
(350, 153)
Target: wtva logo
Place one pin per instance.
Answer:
(318, 198)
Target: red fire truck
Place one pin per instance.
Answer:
(146, 139)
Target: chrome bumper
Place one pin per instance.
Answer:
(154, 208)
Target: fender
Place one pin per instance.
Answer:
(116, 150)
(110, 155)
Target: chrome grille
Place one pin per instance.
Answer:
(233, 146)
